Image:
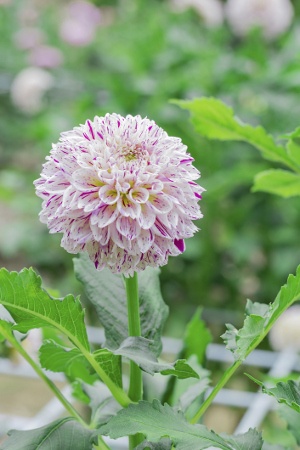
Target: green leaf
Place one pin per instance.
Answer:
(106, 291)
(163, 444)
(276, 181)
(284, 392)
(157, 421)
(66, 434)
(196, 337)
(139, 350)
(57, 358)
(260, 318)
(182, 370)
(215, 120)
(32, 307)
(293, 150)
(111, 364)
(5, 329)
(292, 418)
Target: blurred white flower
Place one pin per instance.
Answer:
(80, 24)
(45, 56)
(211, 11)
(286, 331)
(273, 16)
(28, 88)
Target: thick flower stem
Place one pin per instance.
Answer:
(135, 392)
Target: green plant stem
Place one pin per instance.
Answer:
(230, 371)
(101, 445)
(116, 391)
(135, 391)
(226, 376)
(16, 344)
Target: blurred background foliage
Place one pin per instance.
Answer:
(65, 61)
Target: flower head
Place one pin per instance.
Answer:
(122, 190)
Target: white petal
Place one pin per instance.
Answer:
(128, 227)
(161, 204)
(86, 180)
(145, 240)
(106, 215)
(147, 217)
(108, 195)
(138, 195)
(127, 208)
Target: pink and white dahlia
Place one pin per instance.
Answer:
(122, 190)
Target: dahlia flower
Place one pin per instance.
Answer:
(122, 190)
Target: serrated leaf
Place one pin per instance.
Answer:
(139, 350)
(66, 434)
(196, 337)
(279, 182)
(111, 364)
(70, 361)
(261, 318)
(163, 444)
(285, 392)
(32, 307)
(181, 370)
(156, 421)
(288, 294)
(106, 291)
(215, 120)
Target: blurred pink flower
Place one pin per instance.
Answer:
(122, 190)
(45, 56)
(273, 16)
(80, 24)
(28, 37)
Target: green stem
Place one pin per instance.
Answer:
(101, 445)
(15, 343)
(226, 376)
(116, 391)
(230, 371)
(135, 391)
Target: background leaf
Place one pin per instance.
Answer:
(66, 434)
(196, 338)
(106, 291)
(32, 307)
(276, 181)
(292, 418)
(156, 421)
(215, 120)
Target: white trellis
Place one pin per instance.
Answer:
(256, 404)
